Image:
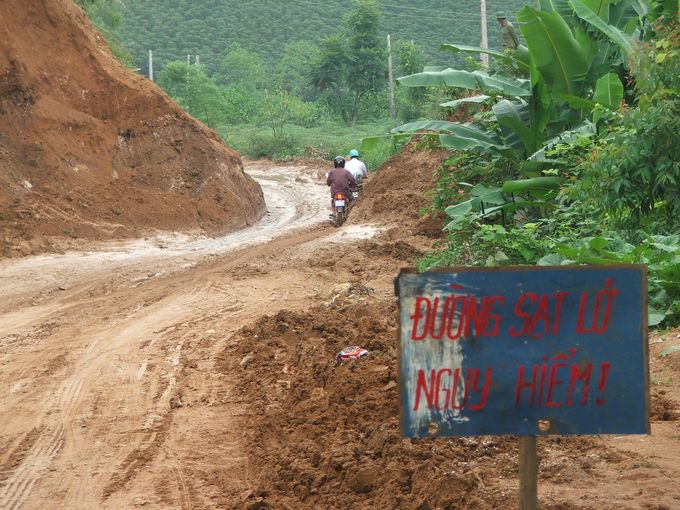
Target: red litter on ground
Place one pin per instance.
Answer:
(352, 352)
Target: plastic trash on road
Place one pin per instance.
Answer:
(353, 352)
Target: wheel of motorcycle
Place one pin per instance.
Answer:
(339, 219)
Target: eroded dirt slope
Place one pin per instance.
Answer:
(90, 150)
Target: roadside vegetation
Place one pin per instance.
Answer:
(296, 84)
(572, 156)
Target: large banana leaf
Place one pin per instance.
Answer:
(609, 91)
(560, 6)
(474, 80)
(479, 195)
(541, 105)
(462, 136)
(642, 7)
(472, 99)
(461, 48)
(529, 185)
(466, 140)
(599, 7)
(514, 119)
(370, 143)
(501, 55)
(629, 15)
(615, 35)
(555, 51)
(576, 102)
(521, 56)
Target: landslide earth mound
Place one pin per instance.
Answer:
(88, 149)
(397, 193)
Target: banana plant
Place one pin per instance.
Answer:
(490, 201)
(573, 55)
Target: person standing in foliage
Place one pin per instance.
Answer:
(509, 39)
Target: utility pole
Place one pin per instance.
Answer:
(390, 78)
(151, 65)
(485, 41)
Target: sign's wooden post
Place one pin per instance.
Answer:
(528, 473)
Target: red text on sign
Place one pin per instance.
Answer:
(455, 316)
(447, 389)
(540, 314)
(541, 386)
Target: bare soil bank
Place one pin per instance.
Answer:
(88, 149)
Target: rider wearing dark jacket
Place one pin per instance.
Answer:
(340, 179)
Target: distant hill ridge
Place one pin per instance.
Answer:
(177, 28)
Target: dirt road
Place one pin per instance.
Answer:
(93, 345)
(180, 373)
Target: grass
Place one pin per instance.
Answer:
(330, 138)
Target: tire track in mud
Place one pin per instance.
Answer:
(18, 486)
(154, 427)
(46, 446)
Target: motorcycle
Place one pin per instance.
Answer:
(340, 205)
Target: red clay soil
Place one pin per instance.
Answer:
(89, 149)
(325, 435)
(397, 193)
(319, 434)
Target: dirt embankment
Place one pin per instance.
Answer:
(318, 434)
(397, 194)
(88, 149)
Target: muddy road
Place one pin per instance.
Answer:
(93, 345)
(172, 372)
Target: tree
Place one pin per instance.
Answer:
(293, 70)
(241, 68)
(574, 59)
(106, 17)
(194, 91)
(352, 64)
(411, 58)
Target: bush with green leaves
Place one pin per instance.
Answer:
(278, 147)
(239, 105)
(661, 255)
(558, 243)
(634, 175)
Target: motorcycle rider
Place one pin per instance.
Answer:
(340, 179)
(356, 167)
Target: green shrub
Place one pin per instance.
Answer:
(277, 148)
(634, 173)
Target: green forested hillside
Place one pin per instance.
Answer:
(177, 28)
